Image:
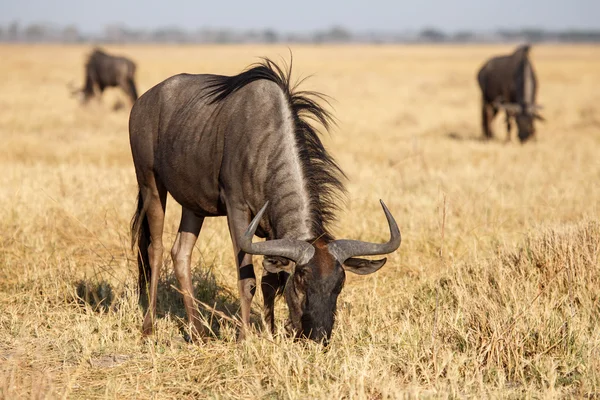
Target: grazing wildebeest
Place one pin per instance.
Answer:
(242, 146)
(104, 70)
(509, 83)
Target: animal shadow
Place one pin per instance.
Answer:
(98, 295)
(217, 305)
(466, 137)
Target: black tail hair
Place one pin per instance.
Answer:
(140, 241)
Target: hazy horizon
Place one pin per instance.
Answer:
(311, 15)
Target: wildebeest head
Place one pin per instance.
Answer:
(524, 115)
(525, 118)
(319, 273)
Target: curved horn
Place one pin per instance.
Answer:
(344, 249)
(296, 250)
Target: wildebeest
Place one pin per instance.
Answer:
(104, 70)
(242, 146)
(509, 83)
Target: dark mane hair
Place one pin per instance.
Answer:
(323, 175)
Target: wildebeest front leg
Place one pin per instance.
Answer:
(271, 285)
(181, 253)
(246, 287)
(238, 221)
(488, 114)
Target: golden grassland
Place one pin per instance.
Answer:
(494, 292)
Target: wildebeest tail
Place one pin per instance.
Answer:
(140, 241)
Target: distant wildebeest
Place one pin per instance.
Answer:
(242, 146)
(509, 83)
(104, 70)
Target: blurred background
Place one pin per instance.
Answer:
(311, 21)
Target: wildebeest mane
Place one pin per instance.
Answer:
(323, 176)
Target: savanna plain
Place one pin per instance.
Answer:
(495, 291)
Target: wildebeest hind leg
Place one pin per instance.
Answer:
(181, 253)
(238, 221)
(128, 86)
(155, 199)
(132, 90)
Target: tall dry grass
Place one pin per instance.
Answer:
(494, 292)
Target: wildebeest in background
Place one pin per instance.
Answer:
(509, 83)
(241, 146)
(104, 70)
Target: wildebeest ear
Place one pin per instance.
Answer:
(275, 264)
(539, 117)
(361, 266)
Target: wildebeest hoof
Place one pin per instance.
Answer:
(147, 328)
(241, 336)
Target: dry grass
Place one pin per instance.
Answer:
(494, 293)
